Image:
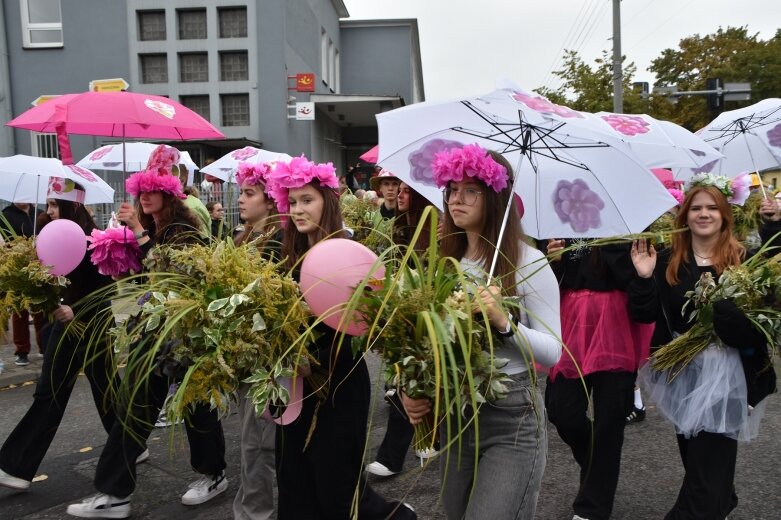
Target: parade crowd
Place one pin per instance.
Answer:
(575, 341)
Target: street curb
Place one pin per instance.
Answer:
(7, 380)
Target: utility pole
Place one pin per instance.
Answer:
(618, 75)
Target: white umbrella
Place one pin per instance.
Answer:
(109, 157)
(225, 167)
(575, 181)
(749, 138)
(658, 144)
(24, 178)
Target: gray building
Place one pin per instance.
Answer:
(233, 61)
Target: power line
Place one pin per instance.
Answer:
(566, 42)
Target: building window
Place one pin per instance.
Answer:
(234, 66)
(337, 65)
(45, 145)
(233, 22)
(332, 65)
(192, 24)
(235, 109)
(324, 55)
(154, 68)
(41, 23)
(198, 104)
(151, 25)
(193, 67)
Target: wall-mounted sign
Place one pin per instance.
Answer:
(108, 85)
(43, 99)
(305, 111)
(305, 82)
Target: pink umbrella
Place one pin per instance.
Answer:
(371, 155)
(115, 114)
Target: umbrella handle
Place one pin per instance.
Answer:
(64, 144)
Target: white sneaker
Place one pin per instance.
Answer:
(204, 489)
(381, 470)
(143, 457)
(426, 454)
(578, 517)
(101, 506)
(12, 482)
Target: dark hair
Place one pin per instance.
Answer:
(454, 242)
(728, 250)
(76, 212)
(406, 222)
(295, 243)
(210, 205)
(175, 219)
(271, 224)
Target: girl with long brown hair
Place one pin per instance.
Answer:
(319, 456)
(513, 439)
(709, 400)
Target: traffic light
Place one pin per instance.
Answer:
(715, 101)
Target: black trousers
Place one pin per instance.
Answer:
(64, 357)
(321, 478)
(708, 491)
(398, 437)
(141, 398)
(596, 444)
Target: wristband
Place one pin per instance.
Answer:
(141, 235)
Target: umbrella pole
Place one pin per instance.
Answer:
(124, 163)
(510, 202)
(754, 165)
(35, 208)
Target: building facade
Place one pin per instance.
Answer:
(235, 62)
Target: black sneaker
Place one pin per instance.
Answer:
(636, 415)
(21, 360)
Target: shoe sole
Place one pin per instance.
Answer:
(221, 488)
(16, 487)
(74, 510)
(381, 473)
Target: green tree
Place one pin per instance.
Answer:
(590, 88)
(731, 54)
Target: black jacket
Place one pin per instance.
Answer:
(20, 222)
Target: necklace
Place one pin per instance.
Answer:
(702, 260)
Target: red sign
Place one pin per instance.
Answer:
(305, 82)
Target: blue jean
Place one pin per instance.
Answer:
(512, 451)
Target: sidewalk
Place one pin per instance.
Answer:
(12, 374)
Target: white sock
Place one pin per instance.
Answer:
(638, 399)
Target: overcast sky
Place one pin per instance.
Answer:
(466, 44)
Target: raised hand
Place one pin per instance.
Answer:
(643, 258)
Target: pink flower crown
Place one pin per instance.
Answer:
(456, 164)
(295, 173)
(157, 176)
(253, 174)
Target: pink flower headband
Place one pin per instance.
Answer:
(253, 174)
(456, 164)
(296, 173)
(64, 189)
(157, 176)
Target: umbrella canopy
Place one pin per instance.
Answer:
(658, 143)
(749, 138)
(24, 178)
(117, 114)
(575, 181)
(225, 167)
(371, 155)
(109, 157)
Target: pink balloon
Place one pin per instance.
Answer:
(295, 386)
(330, 272)
(61, 245)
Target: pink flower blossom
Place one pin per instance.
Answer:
(677, 194)
(162, 158)
(575, 203)
(628, 125)
(740, 187)
(99, 154)
(421, 160)
(149, 181)
(81, 172)
(540, 104)
(253, 174)
(458, 164)
(296, 173)
(244, 153)
(774, 136)
(115, 251)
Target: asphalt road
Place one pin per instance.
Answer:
(650, 477)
